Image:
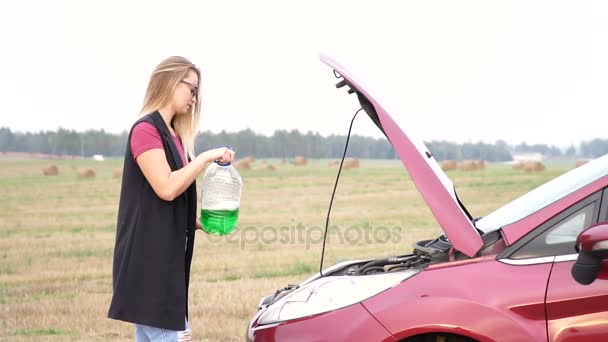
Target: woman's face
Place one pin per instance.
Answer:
(184, 96)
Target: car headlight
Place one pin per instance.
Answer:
(330, 293)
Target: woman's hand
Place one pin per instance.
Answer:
(220, 154)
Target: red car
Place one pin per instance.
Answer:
(533, 270)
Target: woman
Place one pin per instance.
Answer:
(157, 210)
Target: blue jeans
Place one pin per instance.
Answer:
(144, 333)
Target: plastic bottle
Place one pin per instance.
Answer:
(221, 198)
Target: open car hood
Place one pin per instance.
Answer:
(436, 188)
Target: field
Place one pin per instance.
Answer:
(57, 237)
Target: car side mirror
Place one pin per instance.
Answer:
(592, 244)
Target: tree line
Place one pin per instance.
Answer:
(284, 144)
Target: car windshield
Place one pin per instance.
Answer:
(544, 195)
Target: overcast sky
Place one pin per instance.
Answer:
(455, 70)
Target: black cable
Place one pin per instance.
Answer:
(377, 269)
(331, 201)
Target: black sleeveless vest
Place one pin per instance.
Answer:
(154, 244)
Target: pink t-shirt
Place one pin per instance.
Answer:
(146, 137)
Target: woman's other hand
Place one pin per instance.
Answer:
(200, 227)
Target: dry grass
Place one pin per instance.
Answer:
(57, 235)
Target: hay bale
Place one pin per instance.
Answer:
(580, 162)
(118, 173)
(242, 165)
(518, 166)
(351, 163)
(534, 166)
(249, 159)
(268, 167)
(86, 173)
(300, 161)
(447, 165)
(479, 164)
(467, 165)
(51, 170)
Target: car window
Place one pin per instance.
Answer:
(544, 195)
(604, 207)
(560, 238)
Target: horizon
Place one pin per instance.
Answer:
(304, 133)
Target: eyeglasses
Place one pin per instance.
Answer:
(193, 88)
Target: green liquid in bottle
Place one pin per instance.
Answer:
(219, 222)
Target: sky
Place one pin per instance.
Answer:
(461, 71)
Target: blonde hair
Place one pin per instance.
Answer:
(165, 78)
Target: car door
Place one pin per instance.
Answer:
(577, 312)
(574, 312)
